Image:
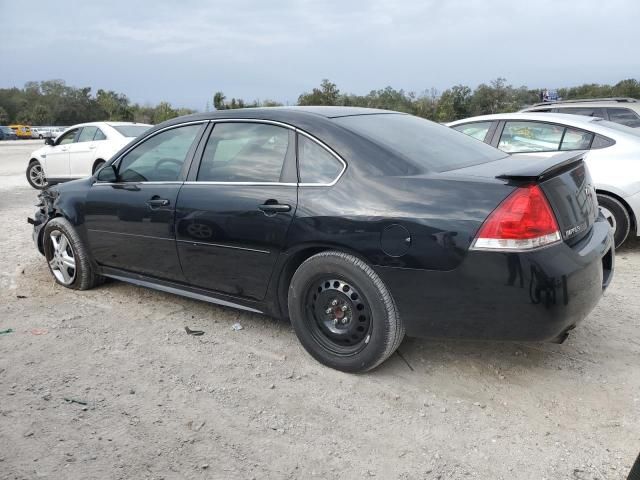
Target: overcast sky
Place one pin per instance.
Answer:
(184, 51)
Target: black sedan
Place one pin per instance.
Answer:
(358, 225)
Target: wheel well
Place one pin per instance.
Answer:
(634, 224)
(95, 164)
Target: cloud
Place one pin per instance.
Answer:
(183, 52)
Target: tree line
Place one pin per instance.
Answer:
(53, 102)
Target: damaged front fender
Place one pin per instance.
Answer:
(46, 210)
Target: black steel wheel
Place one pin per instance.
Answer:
(338, 315)
(342, 312)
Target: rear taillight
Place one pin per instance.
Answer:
(523, 221)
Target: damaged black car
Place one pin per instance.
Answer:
(358, 225)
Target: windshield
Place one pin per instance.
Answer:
(617, 126)
(426, 144)
(131, 130)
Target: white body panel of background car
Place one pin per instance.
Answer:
(615, 169)
(76, 160)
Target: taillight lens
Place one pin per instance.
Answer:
(523, 221)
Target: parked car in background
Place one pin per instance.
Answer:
(613, 154)
(357, 224)
(79, 151)
(625, 111)
(22, 131)
(7, 133)
(41, 132)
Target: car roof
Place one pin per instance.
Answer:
(101, 124)
(284, 114)
(613, 101)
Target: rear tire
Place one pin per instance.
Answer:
(68, 257)
(342, 312)
(617, 215)
(36, 176)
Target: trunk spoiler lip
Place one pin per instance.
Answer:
(539, 169)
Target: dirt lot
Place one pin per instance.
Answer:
(252, 404)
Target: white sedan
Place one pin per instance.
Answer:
(79, 151)
(613, 154)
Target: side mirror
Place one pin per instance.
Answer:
(107, 174)
(49, 141)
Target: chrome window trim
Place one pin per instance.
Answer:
(243, 120)
(220, 245)
(142, 140)
(175, 182)
(280, 184)
(332, 152)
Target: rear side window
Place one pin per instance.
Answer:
(99, 135)
(244, 152)
(624, 116)
(427, 145)
(519, 137)
(477, 130)
(601, 142)
(316, 164)
(575, 139)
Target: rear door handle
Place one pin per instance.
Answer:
(91, 147)
(274, 207)
(158, 202)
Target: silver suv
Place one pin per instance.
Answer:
(625, 111)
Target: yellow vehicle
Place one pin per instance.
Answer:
(22, 131)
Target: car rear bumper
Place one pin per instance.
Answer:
(532, 296)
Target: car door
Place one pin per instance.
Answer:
(57, 159)
(82, 152)
(540, 139)
(129, 221)
(234, 211)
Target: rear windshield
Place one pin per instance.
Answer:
(427, 145)
(131, 131)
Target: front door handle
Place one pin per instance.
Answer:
(274, 207)
(158, 202)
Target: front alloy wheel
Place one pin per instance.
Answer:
(63, 260)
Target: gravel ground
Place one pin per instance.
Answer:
(105, 384)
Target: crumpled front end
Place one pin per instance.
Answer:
(45, 210)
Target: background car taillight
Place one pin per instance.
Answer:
(523, 221)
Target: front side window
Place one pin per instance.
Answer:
(575, 139)
(68, 137)
(160, 158)
(244, 152)
(624, 116)
(477, 130)
(520, 137)
(316, 164)
(87, 134)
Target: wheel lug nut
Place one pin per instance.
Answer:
(334, 302)
(344, 308)
(327, 311)
(335, 321)
(345, 320)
